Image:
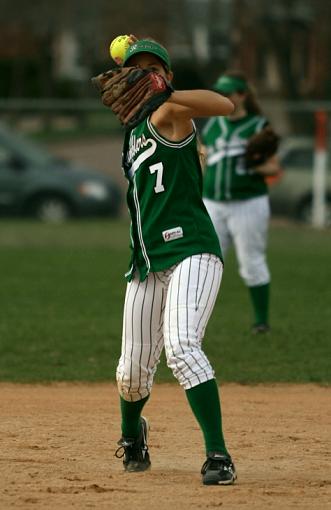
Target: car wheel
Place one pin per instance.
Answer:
(306, 211)
(52, 209)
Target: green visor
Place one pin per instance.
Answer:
(147, 46)
(229, 85)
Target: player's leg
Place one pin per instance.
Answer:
(219, 215)
(142, 337)
(142, 343)
(249, 228)
(191, 297)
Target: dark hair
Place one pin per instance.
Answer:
(251, 103)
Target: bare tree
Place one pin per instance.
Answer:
(295, 34)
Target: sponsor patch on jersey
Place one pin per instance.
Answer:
(172, 234)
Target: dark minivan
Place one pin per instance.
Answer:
(35, 183)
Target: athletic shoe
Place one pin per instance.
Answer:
(135, 451)
(218, 470)
(258, 329)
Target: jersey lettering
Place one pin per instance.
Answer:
(145, 146)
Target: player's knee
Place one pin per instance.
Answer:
(254, 273)
(131, 394)
(190, 367)
(132, 385)
(179, 365)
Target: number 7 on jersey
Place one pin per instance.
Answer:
(158, 168)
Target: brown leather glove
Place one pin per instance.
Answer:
(261, 147)
(132, 93)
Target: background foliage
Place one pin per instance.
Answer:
(288, 39)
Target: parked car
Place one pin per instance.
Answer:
(291, 195)
(35, 183)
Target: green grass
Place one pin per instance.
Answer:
(62, 292)
(88, 126)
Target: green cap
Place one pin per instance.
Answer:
(147, 46)
(230, 84)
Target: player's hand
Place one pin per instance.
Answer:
(133, 39)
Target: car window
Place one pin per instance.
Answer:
(24, 148)
(298, 158)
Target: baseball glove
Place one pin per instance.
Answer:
(132, 93)
(261, 147)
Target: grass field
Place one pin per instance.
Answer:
(62, 291)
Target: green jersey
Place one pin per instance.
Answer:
(226, 177)
(169, 221)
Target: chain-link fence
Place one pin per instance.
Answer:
(288, 118)
(291, 196)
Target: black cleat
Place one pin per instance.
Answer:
(218, 470)
(258, 329)
(135, 451)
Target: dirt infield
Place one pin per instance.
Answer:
(57, 447)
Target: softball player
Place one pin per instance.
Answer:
(175, 270)
(236, 197)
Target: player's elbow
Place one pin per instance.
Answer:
(226, 106)
(273, 166)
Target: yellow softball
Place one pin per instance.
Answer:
(118, 47)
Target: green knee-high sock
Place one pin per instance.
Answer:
(260, 300)
(131, 412)
(205, 404)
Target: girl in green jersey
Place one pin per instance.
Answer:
(236, 197)
(175, 269)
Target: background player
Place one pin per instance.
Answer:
(175, 270)
(236, 197)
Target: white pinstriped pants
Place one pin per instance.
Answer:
(169, 309)
(245, 224)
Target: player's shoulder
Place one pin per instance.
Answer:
(261, 122)
(211, 121)
(171, 124)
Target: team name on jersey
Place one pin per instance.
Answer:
(234, 147)
(140, 149)
(137, 144)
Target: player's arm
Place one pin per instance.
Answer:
(270, 167)
(202, 151)
(174, 118)
(189, 104)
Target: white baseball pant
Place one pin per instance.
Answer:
(245, 224)
(169, 309)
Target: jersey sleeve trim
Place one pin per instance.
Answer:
(207, 126)
(167, 143)
(263, 122)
